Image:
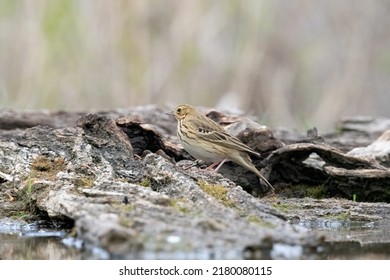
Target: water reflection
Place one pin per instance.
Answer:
(34, 241)
(360, 231)
(352, 250)
(353, 239)
(19, 247)
(344, 240)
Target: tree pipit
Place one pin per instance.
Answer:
(206, 140)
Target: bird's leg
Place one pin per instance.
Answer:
(210, 167)
(188, 166)
(197, 162)
(219, 166)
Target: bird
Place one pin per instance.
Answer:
(206, 140)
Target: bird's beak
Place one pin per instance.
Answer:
(171, 113)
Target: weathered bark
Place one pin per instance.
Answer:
(129, 205)
(114, 175)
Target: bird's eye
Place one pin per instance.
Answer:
(178, 110)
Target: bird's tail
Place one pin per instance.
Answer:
(245, 161)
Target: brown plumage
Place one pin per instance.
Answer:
(206, 140)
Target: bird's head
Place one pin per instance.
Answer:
(182, 111)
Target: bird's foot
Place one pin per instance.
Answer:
(219, 163)
(188, 166)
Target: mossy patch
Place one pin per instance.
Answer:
(178, 205)
(46, 168)
(218, 191)
(122, 207)
(315, 192)
(84, 182)
(27, 195)
(125, 221)
(259, 221)
(27, 198)
(284, 207)
(42, 164)
(145, 182)
(22, 215)
(43, 168)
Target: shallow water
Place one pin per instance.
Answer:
(35, 241)
(353, 240)
(344, 240)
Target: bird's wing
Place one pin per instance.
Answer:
(226, 140)
(205, 125)
(210, 131)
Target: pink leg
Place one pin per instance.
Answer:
(212, 165)
(219, 166)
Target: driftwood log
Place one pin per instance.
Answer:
(310, 162)
(118, 178)
(344, 164)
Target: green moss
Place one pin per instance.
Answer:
(42, 164)
(315, 192)
(46, 168)
(218, 191)
(253, 219)
(176, 204)
(283, 207)
(27, 197)
(259, 221)
(145, 182)
(27, 193)
(23, 215)
(84, 182)
(122, 207)
(125, 221)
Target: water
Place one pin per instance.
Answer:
(353, 240)
(29, 241)
(344, 240)
(40, 241)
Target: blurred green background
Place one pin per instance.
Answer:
(295, 63)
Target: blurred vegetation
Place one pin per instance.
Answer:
(293, 63)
